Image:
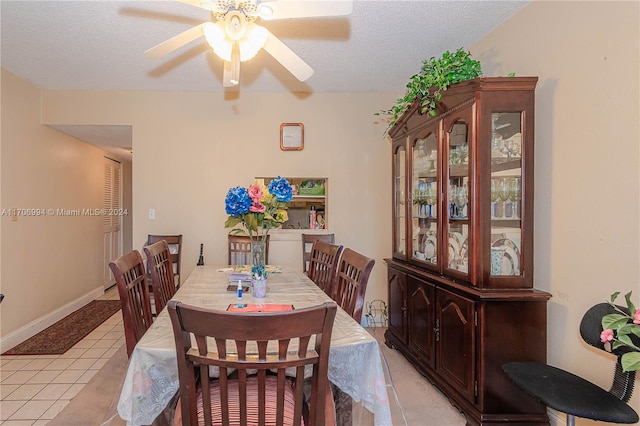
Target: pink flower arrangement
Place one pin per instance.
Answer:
(622, 329)
(606, 336)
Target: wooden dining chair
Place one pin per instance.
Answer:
(270, 396)
(131, 280)
(307, 244)
(323, 265)
(175, 249)
(161, 270)
(351, 282)
(239, 247)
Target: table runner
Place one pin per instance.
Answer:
(355, 364)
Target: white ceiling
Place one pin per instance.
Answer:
(99, 45)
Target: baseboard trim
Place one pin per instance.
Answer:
(23, 333)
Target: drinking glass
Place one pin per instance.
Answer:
(512, 148)
(516, 196)
(430, 200)
(495, 196)
(505, 194)
(461, 200)
(453, 192)
(497, 145)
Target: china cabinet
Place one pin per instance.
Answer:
(460, 280)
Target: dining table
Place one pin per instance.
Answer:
(355, 359)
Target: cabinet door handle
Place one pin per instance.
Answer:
(436, 330)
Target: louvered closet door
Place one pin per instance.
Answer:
(112, 221)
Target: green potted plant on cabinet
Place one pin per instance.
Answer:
(435, 76)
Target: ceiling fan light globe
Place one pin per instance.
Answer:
(254, 41)
(216, 38)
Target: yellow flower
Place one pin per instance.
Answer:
(282, 216)
(266, 195)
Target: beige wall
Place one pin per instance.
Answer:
(190, 148)
(586, 55)
(49, 263)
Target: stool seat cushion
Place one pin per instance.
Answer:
(569, 393)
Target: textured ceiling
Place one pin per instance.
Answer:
(100, 45)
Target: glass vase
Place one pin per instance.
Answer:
(258, 254)
(259, 288)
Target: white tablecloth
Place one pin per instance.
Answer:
(355, 364)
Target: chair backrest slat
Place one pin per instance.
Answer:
(239, 248)
(323, 265)
(130, 276)
(246, 342)
(175, 249)
(307, 245)
(161, 270)
(351, 282)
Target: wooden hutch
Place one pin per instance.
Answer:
(461, 296)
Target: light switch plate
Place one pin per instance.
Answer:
(152, 214)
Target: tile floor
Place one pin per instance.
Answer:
(34, 389)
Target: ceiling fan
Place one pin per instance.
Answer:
(235, 37)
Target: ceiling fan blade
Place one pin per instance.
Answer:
(287, 57)
(178, 41)
(211, 5)
(285, 9)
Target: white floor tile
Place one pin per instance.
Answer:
(94, 353)
(53, 411)
(99, 363)
(16, 364)
(84, 344)
(31, 410)
(24, 392)
(73, 353)
(38, 364)
(115, 335)
(52, 391)
(7, 408)
(82, 364)
(4, 374)
(18, 423)
(19, 377)
(87, 376)
(103, 344)
(73, 391)
(7, 389)
(60, 364)
(68, 376)
(35, 388)
(45, 376)
(96, 335)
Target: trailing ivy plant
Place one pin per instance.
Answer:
(437, 74)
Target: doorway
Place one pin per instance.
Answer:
(112, 216)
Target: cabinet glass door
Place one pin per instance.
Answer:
(399, 201)
(458, 196)
(424, 190)
(506, 193)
